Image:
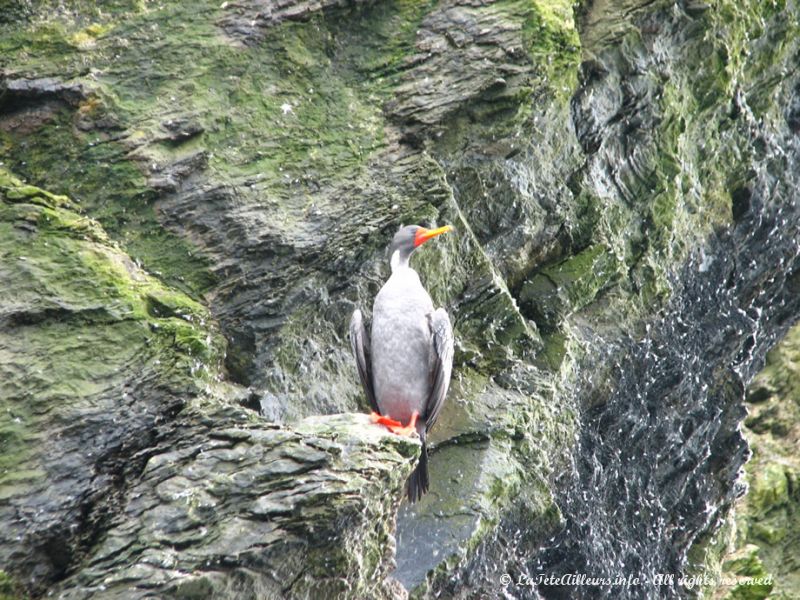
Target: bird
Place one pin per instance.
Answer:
(405, 364)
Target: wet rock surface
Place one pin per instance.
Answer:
(671, 403)
(257, 511)
(760, 536)
(129, 469)
(622, 180)
(87, 383)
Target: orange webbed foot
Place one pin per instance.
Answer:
(407, 430)
(390, 423)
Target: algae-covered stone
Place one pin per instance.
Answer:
(257, 511)
(769, 488)
(555, 292)
(109, 374)
(89, 371)
(766, 518)
(756, 582)
(9, 590)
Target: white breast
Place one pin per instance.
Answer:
(402, 350)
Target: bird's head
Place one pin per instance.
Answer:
(408, 239)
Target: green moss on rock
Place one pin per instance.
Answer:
(558, 291)
(9, 589)
(766, 521)
(748, 566)
(78, 315)
(89, 167)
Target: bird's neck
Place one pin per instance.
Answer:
(399, 261)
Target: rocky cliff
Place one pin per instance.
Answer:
(196, 196)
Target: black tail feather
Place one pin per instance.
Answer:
(418, 482)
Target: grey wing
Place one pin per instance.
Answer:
(443, 364)
(359, 340)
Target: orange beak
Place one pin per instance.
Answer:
(423, 235)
